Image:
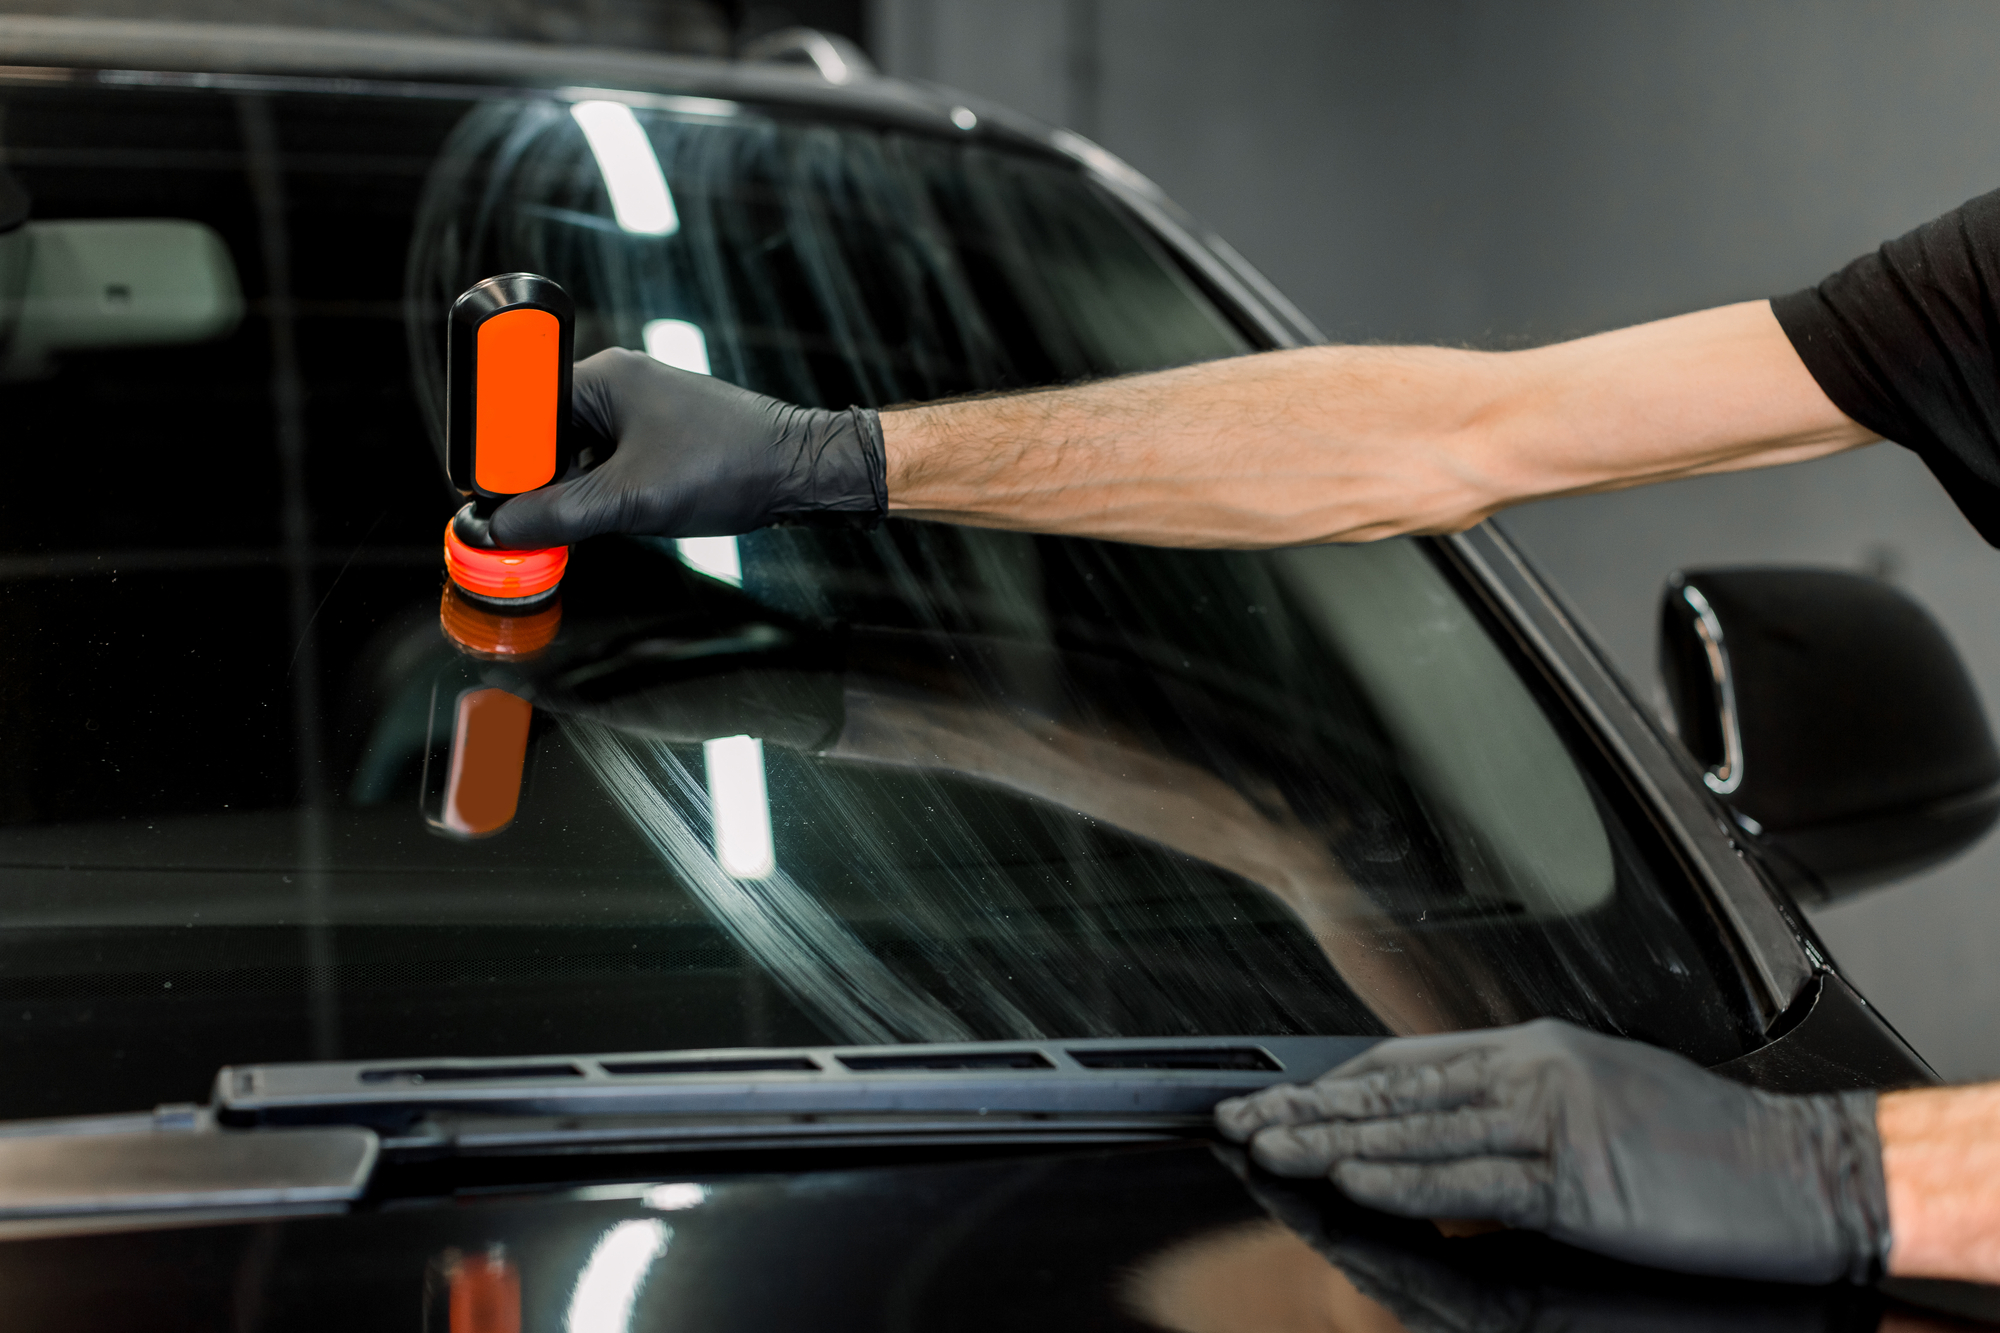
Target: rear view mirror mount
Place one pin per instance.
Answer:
(90, 284)
(1831, 713)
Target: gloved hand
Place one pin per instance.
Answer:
(698, 457)
(1606, 1144)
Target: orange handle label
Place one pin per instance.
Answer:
(514, 411)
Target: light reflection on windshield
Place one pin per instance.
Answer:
(1035, 811)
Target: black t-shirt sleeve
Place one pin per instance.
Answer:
(1907, 342)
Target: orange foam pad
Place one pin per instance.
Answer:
(504, 574)
(489, 746)
(514, 413)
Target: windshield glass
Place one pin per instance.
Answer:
(263, 798)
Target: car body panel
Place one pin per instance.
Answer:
(1121, 1238)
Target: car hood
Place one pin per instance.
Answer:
(1178, 1236)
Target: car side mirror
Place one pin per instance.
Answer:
(1833, 716)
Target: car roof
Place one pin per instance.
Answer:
(87, 44)
(253, 57)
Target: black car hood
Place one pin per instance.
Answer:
(1176, 1236)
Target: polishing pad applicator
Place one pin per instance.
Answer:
(495, 574)
(507, 388)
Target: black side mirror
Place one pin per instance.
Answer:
(1832, 714)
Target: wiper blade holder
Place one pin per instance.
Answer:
(519, 1135)
(1107, 1077)
(289, 1137)
(175, 1160)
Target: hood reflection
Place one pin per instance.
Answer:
(1253, 1276)
(610, 1282)
(1161, 1237)
(482, 1291)
(1317, 1263)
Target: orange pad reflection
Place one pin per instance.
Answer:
(496, 634)
(514, 413)
(485, 1295)
(489, 746)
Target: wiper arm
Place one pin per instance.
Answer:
(703, 1097)
(176, 1160)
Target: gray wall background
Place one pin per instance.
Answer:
(1494, 172)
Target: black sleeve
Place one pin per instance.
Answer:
(1905, 342)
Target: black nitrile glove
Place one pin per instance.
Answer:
(698, 457)
(1606, 1144)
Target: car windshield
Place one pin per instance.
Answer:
(264, 797)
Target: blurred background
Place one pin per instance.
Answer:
(1494, 173)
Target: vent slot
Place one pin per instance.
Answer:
(949, 1060)
(769, 1064)
(1244, 1058)
(468, 1073)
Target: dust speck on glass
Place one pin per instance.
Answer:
(920, 783)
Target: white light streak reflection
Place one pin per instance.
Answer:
(632, 176)
(674, 1198)
(742, 806)
(680, 106)
(678, 343)
(814, 955)
(610, 1281)
(717, 557)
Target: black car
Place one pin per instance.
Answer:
(826, 926)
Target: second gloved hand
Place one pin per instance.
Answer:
(1606, 1144)
(698, 457)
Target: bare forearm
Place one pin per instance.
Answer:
(1941, 1164)
(1354, 443)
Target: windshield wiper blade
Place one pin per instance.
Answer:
(305, 1137)
(1073, 1083)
